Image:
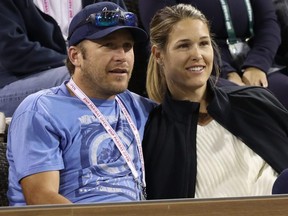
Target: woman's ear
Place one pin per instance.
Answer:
(157, 54)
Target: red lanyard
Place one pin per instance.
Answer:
(81, 95)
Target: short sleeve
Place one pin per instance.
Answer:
(35, 147)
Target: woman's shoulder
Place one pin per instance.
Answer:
(249, 94)
(245, 90)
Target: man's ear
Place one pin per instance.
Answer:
(157, 54)
(74, 55)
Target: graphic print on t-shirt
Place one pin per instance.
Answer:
(104, 169)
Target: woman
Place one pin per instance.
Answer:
(203, 140)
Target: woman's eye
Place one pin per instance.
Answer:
(183, 46)
(205, 43)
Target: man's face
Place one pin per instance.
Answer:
(104, 66)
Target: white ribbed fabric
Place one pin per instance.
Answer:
(61, 10)
(226, 167)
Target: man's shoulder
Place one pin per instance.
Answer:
(44, 93)
(45, 97)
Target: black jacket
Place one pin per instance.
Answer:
(250, 113)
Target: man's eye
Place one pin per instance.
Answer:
(109, 45)
(128, 46)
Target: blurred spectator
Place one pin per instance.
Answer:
(281, 7)
(32, 53)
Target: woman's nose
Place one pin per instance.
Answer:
(195, 53)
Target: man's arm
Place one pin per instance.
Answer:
(43, 188)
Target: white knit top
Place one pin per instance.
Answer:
(61, 10)
(226, 167)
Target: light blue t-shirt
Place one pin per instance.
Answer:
(52, 130)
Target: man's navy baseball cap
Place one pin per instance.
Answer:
(100, 19)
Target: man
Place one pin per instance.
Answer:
(81, 142)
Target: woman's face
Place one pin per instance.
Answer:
(188, 59)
